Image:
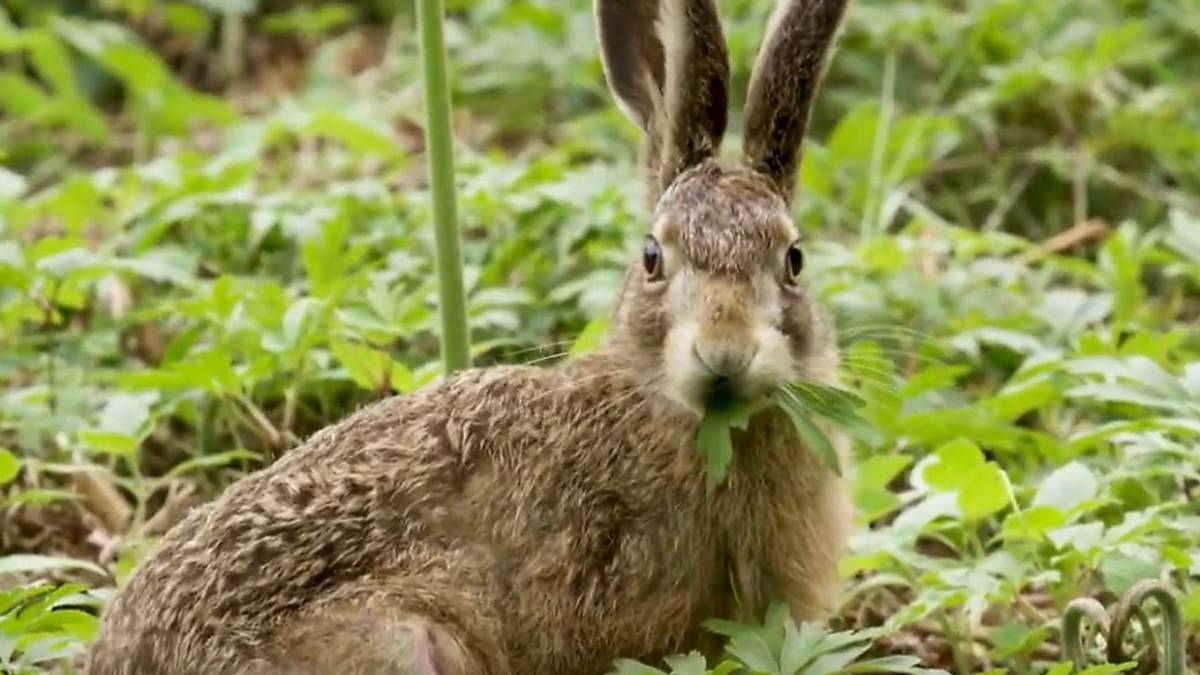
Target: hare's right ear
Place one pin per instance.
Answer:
(784, 82)
(666, 62)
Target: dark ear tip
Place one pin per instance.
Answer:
(631, 54)
(783, 85)
(697, 95)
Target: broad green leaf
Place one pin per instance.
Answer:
(835, 641)
(369, 368)
(715, 444)
(1015, 638)
(402, 378)
(210, 370)
(309, 21)
(955, 462)
(1032, 523)
(1019, 399)
(881, 470)
(73, 622)
(752, 650)
(109, 442)
(1067, 487)
(9, 466)
(775, 623)
(914, 519)
(959, 467)
(834, 662)
(126, 413)
(1083, 538)
(727, 628)
(21, 98)
(984, 493)
(358, 135)
(691, 664)
(630, 667)
(1124, 568)
(12, 564)
(888, 664)
(592, 336)
(799, 646)
(871, 494)
(714, 437)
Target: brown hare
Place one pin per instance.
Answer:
(521, 520)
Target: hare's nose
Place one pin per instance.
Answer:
(724, 360)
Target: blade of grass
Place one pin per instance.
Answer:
(814, 439)
(837, 405)
(871, 223)
(438, 143)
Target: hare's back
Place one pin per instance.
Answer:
(406, 483)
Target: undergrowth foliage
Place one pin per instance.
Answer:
(215, 239)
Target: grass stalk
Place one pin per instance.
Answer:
(438, 144)
(872, 218)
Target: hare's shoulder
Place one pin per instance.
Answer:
(339, 499)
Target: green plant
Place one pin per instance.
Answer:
(802, 401)
(780, 647)
(42, 623)
(1171, 661)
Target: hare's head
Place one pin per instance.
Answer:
(716, 297)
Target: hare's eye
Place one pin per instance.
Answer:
(794, 262)
(652, 259)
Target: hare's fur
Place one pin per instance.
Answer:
(546, 521)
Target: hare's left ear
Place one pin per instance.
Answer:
(696, 91)
(783, 85)
(666, 62)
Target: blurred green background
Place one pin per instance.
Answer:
(215, 239)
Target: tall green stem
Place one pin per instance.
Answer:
(438, 145)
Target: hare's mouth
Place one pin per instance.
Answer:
(723, 392)
(699, 374)
(720, 388)
(720, 393)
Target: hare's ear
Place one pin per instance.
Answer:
(632, 54)
(667, 64)
(785, 80)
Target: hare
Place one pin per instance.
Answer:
(548, 521)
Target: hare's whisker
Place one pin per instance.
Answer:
(883, 330)
(871, 367)
(603, 410)
(643, 388)
(880, 380)
(643, 404)
(543, 359)
(894, 355)
(575, 382)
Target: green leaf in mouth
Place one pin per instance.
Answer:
(723, 412)
(802, 401)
